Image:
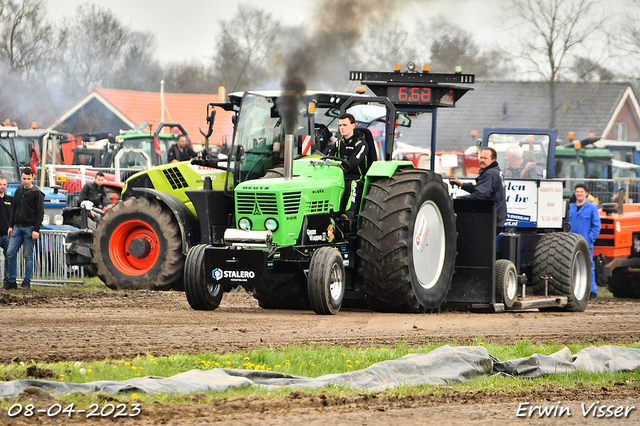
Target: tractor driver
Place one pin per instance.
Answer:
(351, 147)
(489, 185)
(180, 151)
(518, 167)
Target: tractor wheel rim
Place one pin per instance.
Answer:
(512, 285)
(579, 275)
(335, 287)
(429, 244)
(119, 243)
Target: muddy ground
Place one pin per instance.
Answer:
(55, 325)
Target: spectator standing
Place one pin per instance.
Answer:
(27, 211)
(585, 220)
(5, 216)
(180, 151)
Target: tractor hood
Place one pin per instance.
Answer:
(265, 204)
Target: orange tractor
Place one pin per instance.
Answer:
(617, 249)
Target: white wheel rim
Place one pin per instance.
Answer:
(429, 244)
(579, 275)
(512, 285)
(335, 288)
(214, 289)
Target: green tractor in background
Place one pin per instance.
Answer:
(293, 250)
(142, 242)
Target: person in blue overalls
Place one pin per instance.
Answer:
(585, 220)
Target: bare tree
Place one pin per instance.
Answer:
(24, 35)
(383, 49)
(247, 51)
(626, 39)
(550, 33)
(588, 70)
(94, 47)
(452, 46)
(189, 77)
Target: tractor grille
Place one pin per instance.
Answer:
(291, 202)
(266, 204)
(254, 204)
(175, 178)
(317, 207)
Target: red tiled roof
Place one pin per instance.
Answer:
(188, 109)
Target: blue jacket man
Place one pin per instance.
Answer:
(489, 185)
(585, 220)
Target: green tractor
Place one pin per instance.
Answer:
(293, 250)
(142, 241)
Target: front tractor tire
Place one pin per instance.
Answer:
(137, 246)
(200, 295)
(563, 258)
(326, 281)
(407, 242)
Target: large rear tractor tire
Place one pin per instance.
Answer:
(623, 284)
(326, 281)
(137, 245)
(563, 258)
(200, 295)
(407, 242)
(282, 291)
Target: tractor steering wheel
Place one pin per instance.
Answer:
(343, 163)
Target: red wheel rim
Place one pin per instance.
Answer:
(119, 247)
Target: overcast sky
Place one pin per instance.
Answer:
(187, 29)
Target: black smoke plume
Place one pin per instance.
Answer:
(337, 29)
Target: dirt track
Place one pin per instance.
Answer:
(55, 325)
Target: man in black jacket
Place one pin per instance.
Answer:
(489, 185)
(27, 211)
(180, 151)
(352, 148)
(5, 216)
(96, 193)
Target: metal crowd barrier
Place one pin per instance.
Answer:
(49, 265)
(605, 190)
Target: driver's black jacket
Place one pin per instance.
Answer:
(91, 192)
(354, 150)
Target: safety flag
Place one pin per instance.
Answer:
(157, 145)
(34, 160)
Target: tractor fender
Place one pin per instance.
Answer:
(384, 169)
(116, 186)
(184, 217)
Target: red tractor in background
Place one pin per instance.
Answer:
(617, 249)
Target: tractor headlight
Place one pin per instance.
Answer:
(45, 219)
(245, 224)
(58, 220)
(271, 224)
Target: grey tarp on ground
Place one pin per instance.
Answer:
(444, 365)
